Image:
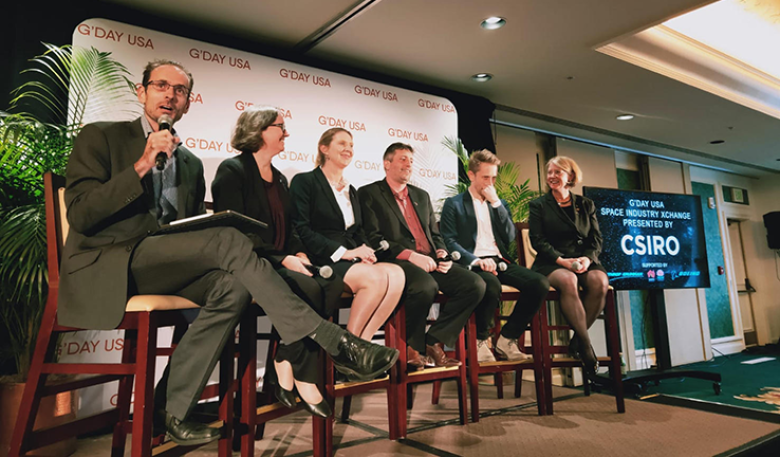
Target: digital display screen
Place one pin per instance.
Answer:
(651, 240)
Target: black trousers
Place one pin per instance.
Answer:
(533, 289)
(323, 296)
(464, 291)
(217, 269)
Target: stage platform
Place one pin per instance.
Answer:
(581, 426)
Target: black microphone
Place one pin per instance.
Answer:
(324, 271)
(383, 246)
(165, 122)
(455, 256)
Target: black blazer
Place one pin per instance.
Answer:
(109, 213)
(459, 227)
(318, 218)
(383, 219)
(238, 186)
(554, 235)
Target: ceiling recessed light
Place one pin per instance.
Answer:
(625, 117)
(493, 23)
(482, 77)
(717, 142)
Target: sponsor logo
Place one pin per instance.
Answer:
(207, 145)
(429, 173)
(196, 98)
(241, 106)
(428, 104)
(222, 59)
(91, 347)
(376, 93)
(304, 77)
(407, 134)
(292, 156)
(366, 165)
(343, 123)
(115, 36)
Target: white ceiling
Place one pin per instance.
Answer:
(545, 42)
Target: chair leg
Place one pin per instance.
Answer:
(473, 366)
(44, 348)
(124, 396)
(460, 354)
(538, 354)
(498, 380)
(613, 345)
(144, 385)
(247, 371)
(518, 383)
(345, 408)
(399, 384)
(436, 392)
(226, 389)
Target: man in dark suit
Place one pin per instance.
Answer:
(479, 225)
(116, 197)
(402, 215)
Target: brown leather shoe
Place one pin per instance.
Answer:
(439, 357)
(414, 361)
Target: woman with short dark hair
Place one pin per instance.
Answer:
(251, 185)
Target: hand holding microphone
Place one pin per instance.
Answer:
(479, 266)
(383, 246)
(165, 123)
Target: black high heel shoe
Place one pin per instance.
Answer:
(285, 397)
(321, 409)
(574, 347)
(590, 362)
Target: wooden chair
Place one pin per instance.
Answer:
(476, 369)
(144, 315)
(400, 385)
(612, 360)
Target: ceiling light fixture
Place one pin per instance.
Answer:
(717, 142)
(625, 117)
(493, 23)
(482, 77)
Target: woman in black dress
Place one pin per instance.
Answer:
(565, 234)
(252, 186)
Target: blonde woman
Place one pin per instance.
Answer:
(565, 234)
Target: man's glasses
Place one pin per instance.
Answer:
(281, 126)
(162, 86)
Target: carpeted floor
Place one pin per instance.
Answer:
(755, 386)
(582, 426)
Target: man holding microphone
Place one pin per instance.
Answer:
(479, 226)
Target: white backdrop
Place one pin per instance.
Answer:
(312, 100)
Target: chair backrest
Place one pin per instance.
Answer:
(56, 222)
(525, 252)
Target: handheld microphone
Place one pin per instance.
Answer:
(165, 122)
(576, 265)
(383, 246)
(324, 271)
(501, 267)
(453, 257)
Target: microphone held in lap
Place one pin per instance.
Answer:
(383, 246)
(576, 265)
(324, 271)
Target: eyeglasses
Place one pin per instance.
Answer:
(281, 126)
(162, 86)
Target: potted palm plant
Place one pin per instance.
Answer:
(67, 84)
